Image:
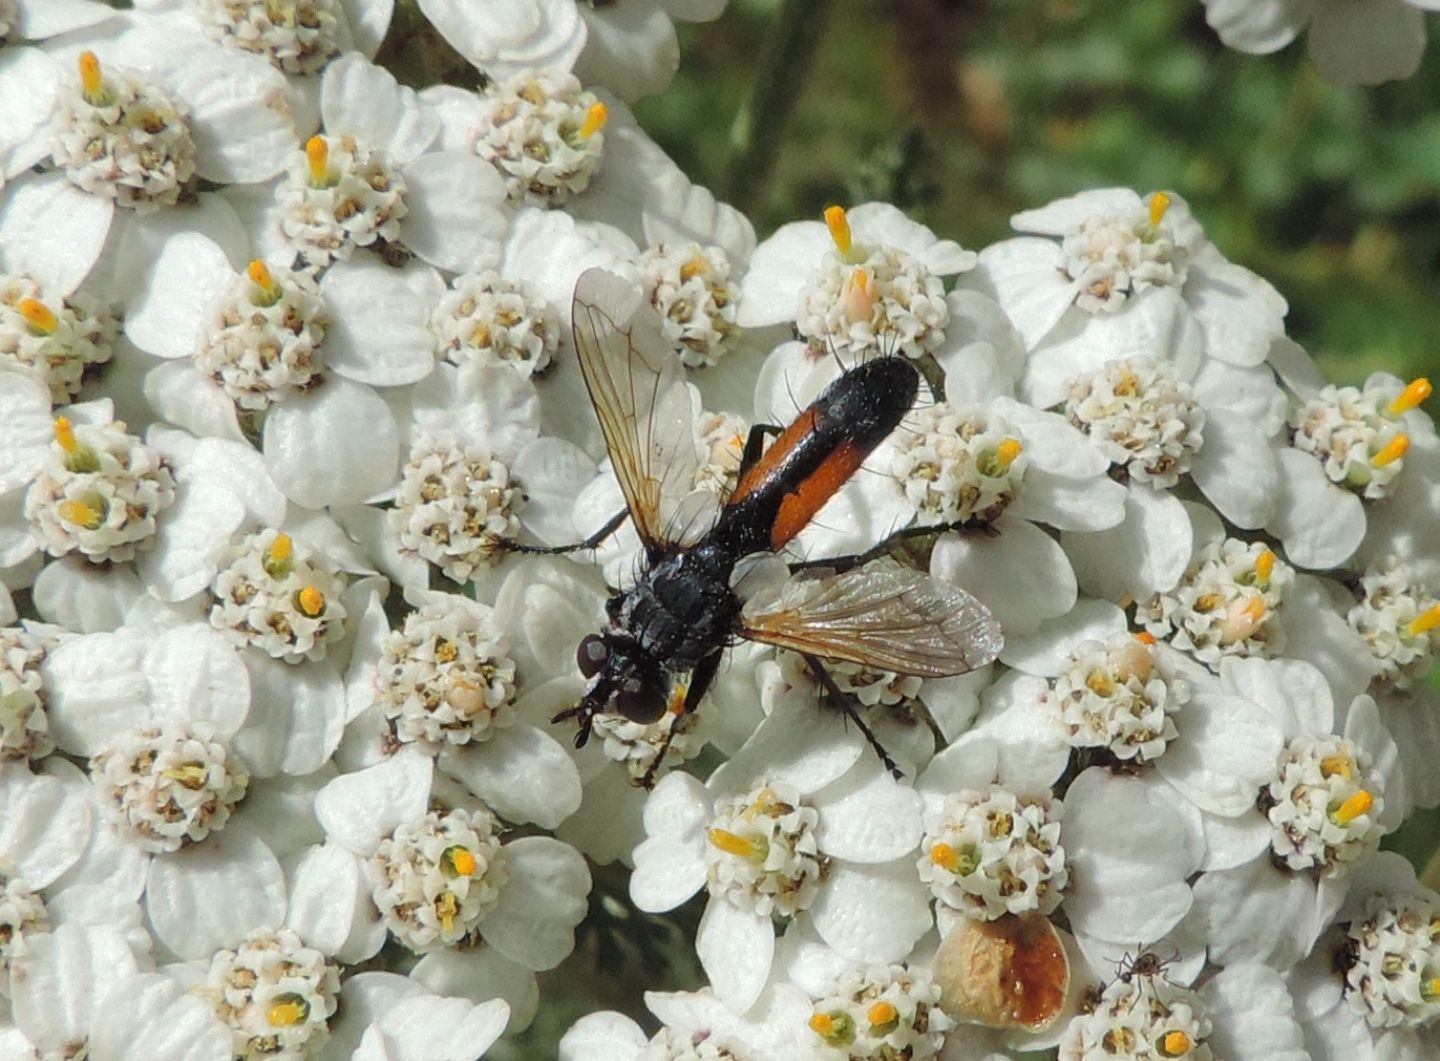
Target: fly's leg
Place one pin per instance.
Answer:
(846, 703)
(841, 564)
(700, 679)
(611, 526)
(755, 445)
(585, 711)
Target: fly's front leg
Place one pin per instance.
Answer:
(700, 679)
(846, 703)
(611, 526)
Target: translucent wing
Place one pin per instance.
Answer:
(638, 390)
(886, 617)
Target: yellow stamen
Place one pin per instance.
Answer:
(1159, 205)
(696, 266)
(595, 119)
(1424, 622)
(317, 153)
(944, 856)
(1337, 766)
(287, 1011)
(447, 908)
(1145, 638)
(1174, 1044)
(836, 1027)
(39, 316)
(311, 601)
(1430, 989)
(1414, 393)
(858, 296)
(754, 849)
(821, 1024)
(676, 704)
(78, 512)
(1242, 619)
(1264, 567)
(464, 862)
(839, 226)
(92, 85)
(881, 1014)
(276, 560)
(1392, 451)
(65, 435)
(1007, 451)
(259, 274)
(1352, 808)
(188, 775)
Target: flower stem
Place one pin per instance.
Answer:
(760, 125)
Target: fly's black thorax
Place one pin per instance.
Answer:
(682, 609)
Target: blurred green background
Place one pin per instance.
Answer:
(965, 111)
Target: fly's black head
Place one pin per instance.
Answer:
(624, 680)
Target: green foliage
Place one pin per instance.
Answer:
(966, 112)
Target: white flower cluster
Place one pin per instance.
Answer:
(282, 634)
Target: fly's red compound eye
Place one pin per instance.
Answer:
(591, 655)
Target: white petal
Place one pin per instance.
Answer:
(1224, 752)
(1294, 693)
(1021, 574)
(539, 33)
(1131, 851)
(335, 446)
(359, 809)
(1256, 913)
(297, 716)
(1239, 312)
(521, 773)
(329, 898)
(455, 220)
(56, 987)
(30, 82)
(181, 395)
(668, 871)
(735, 948)
(780, 269)
(52, 231)
(1320, 524)
(602, 1036)
(678, 211)
(491, 404)
(196, 675)
(368, 20)
(1057, 218)
(1146, 554)
(43, 826)
(1094, 504)
(26, 429)
(1051, 441)
(1045, 651)
(1257, 27)
(629, 48)
(187, 279)
(800, 743)
(872, 913)
(1232, 842)
(545, 898)
(1251, 1015)
(1025, 275)
(238, 118)
(1249, 392)
(95, 689)
(867, 816)
(1237, 470)
(74, 593)
(361, 99)
(378, 330)
(153, 1018)
(441, 1029)
(1368, 42)
(212, 895)
(480, 974)
(554, 472)
(191, 541)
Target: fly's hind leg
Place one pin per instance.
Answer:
(839, 698)
(700, 679)
(755, 445)
(611, 526)
(841, 564)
